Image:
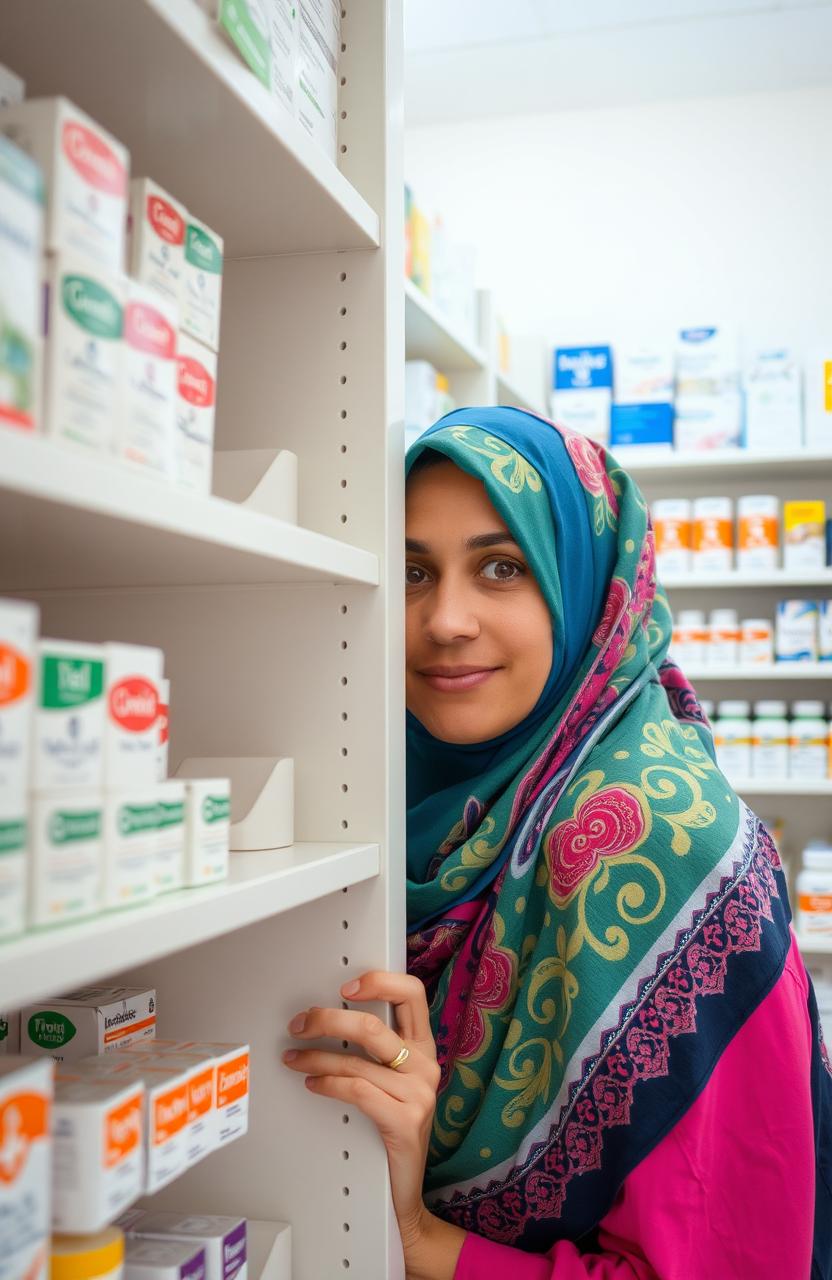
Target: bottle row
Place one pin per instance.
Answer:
(776, 744)
(88, 817)
(801, 632)
(706, 535)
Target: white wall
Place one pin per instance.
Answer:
(596, 226)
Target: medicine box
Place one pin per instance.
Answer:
(170, 836)
(9, 1033)
(642, 424)
(25, 1189)
(166, 1118)
(195, 409)
(98, 1152)
(131, 820)
(84, 353)
(133, 674)
(232, 1087)
(145, 440)
(21, 244)
(201, 284)
(207, 829)
(200, 1069)
(96, 1020)
(804, 535)
(582, 390)
(246, 25)
(284, 33)
(18, 631)
(773, 402)
(319, 39)
(162, 1260)
(86, 171)
(224, 1239)
(12, 88)
(66, 856)
(156, 229)
(818, 426)
(163, 728)
(68, 746)
(708, 399)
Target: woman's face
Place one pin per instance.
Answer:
(479, 633)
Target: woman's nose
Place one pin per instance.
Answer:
(451, 615)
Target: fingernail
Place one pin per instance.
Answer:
(297, 1024)
(350, 988)
(290, 1055)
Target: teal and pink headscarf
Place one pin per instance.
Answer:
(593, 910)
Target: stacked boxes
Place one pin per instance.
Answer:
(18, 632)
(582, 394)
(26, 1089)
(21, 244)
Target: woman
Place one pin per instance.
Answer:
(608, 1060)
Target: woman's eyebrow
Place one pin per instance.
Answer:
(475, 543)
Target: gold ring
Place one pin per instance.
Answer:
(401, 1056)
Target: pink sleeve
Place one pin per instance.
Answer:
(729, 1192)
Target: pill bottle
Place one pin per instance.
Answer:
(814, 890)
(808, 741)
(770, 741)
(689, 642)
(706, 706)
(796, 631)
(757, 531)
(756, 642)
(724, 645)
(732, 738)
(96, 1257)
(713, 534)
(673, 526)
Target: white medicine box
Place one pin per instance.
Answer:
(98, 1169)
(133, 675)
(131, 822)
(25, 1188)
(201, 292)
(86, 173)
(68, 747)
(21, 244)
(65, 856)
(207, 829)
(195, 407)
(92, 1021)
(156, 229)
(145, 440)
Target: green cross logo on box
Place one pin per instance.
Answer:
(70, 682)
(66, 827)
(12, 837)
(92, 307)
(171, 815)
(137, 817)
(202, 252)
(50, 1030)
(216, 808)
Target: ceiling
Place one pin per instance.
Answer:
(467, 59)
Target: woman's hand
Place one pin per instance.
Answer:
(400, 1103)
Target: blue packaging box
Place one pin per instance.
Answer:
(641, 424)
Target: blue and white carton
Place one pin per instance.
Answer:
(708, 397)
(582, 390)
(643, 410)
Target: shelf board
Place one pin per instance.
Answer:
(647, 464)
(784, 787)
(734, 578)
(69, 521)
(769, 671)
(260, 885)
(161, 78)
(429, 336)
(508, 393)
(269, 1249)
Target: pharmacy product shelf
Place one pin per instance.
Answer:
(693, 466)
(269, 1250)
(69, 521)
(429, 336)
(785, 787)
(260, 885)
(769, 671)
(160, 77)
(814, 945)
(734, 578)
(508, 393)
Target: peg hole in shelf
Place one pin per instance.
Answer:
(344, 787)
(344, 608)
(343, 148)
(343, 413)
(346, 1226)
(343, 644)
(342, 276)
(344, 1004)
(343, 48)
(345, 1119)
(343, 115)
(343, 519)
(344, 715)
(345, 1044)
(344, 751)
(345, 924)
(343, 81)
(346, 1190)
(342, 310)
(343, 484)
(343, 679)
(344, 823)
(345, 1155)
(345, 1263)
(345, 960)
(342, 346)
(343, 448)
(343, 379)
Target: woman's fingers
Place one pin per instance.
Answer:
(406, 993)
(409, 1089)
(364, 1029)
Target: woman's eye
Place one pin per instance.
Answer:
(411, 575)
(500, 567)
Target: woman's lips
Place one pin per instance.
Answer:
(455, 684)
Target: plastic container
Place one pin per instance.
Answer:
(808, 741)
(814, 890)
(756, 642)
(673, 525)
(706, 706)
(796, 631)
(723, 649)
(732, 737)
(757, 531)
(825, 630)
(770, 741)
(713, 534)
(690, 638)
(97, 1257)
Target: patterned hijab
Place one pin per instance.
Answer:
(585, 888)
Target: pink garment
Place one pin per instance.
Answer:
(729, 1194)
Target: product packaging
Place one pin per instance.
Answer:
(25, 1188)
(673, 526)
(757, 541)
(66, 856)
(195, 408)
(207, 829)
(796, 631)
(146, 439)
(420, 239)
(773, 402)
(86, 171)
(134, 674)
(713, 534)
(643, 410)
(814, 890)
(246, 25)
(9, 1033)
(162, 1260)
(419, 396)
(756, 642)
(818, 425)
(725, 633)
(18, 631)
(825, 630)
(163, 727)
(131, 822)
(69, 716)
(157, 239)
(222, 1238)
(316, 99)
(285, 35)
(808, 741)
(84, 353)
(21, 246)
(732, 739)
(170, 836)
(98, 1154)
(690, 639)
(96, 1257)
(231, 1062)
(804, 535)
(202, 284)
(770, 742)
(582, 394)
(12, 88)
(708, 401)
(96, 1020)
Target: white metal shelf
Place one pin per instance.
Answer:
(260, 885)
(783, 787)
(731, 579)
(160, 77)
(769, 671)
(69, 521)
(430, 336)
(509, 393)
(651, 465)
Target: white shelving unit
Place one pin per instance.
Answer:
(787, 671)
(280, 640)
